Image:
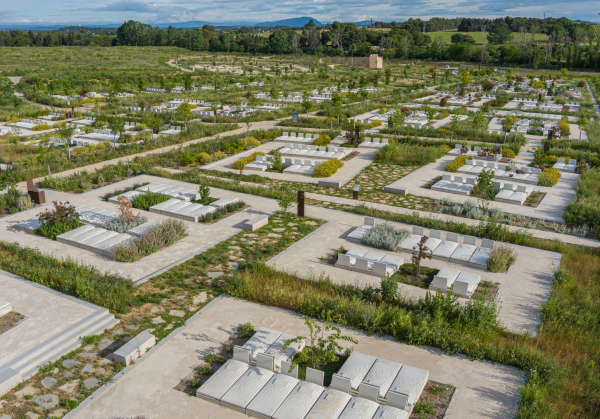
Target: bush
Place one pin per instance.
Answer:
(41, 127)
(52, 230)
(508, 153)
(322, 141)
(408, 155)
(147, 200)
(246, 330)
(239, 165)
(457, 163)
(564, 128)
(203, 158)
(585, 208)
(327, 168)
(24, 203)
(501, 258)
(121, 226)
(549, 177)
(61, 214)
(250, 142)
(385, 236)
(157, 237)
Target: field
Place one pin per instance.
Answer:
(478, 36)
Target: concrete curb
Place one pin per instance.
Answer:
(139, 361)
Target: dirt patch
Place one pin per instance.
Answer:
(486, 290)
(351, 156)
(10, 320)
(534, 199)
(434, 401)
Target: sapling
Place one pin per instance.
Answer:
(421, 253)
(204, 192)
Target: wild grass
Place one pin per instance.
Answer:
(68, 276)
(408, 155)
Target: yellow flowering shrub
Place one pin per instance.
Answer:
(457, 163)
(41, 127)
(374, 124)
(250, 142)
(204, 158)
(59, 124)
(446, 147)
(328, 168)
(238, 165)
(323, 140)
(140, 127)
(508, 153)
(549, 177)
(218, 155)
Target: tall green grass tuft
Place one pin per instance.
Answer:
(68, 276)
(408, 155)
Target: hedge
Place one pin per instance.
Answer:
(457, 163)
(239, 165)
(327, 168)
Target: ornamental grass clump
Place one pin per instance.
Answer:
(158, 237)
(239, 164)
(549, 177)
(149, 199)
(501, 258)
(385, 236)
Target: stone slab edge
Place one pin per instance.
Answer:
(48, 341)
(139, 361)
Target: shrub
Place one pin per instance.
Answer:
(218, 155)
(457, 163)
(24, 203)
(327, 168)
(121, 226)
(564, 128)
(549, 177)
(508, 153)
(194, 383)
(140, 127)
(52, 230)
(322, 141)
(147, 200)
(206, 369)
(408, 155)
(250, 142)
(203, 158)
(246, 330)
(61, 214)
(374, 124)
(157, 237)
(385, 236)
(238, 165)
(41, 127)
(501, 258)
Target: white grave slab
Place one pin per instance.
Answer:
(356, 368)
(217, 385)
(411, 381)
(382, 375)
(330, 405)
(261, 341)
(272, 395)
(299, 402)
(243, 391)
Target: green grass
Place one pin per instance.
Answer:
(446, 36)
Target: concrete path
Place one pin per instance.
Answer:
(594, 101)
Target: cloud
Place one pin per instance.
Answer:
(224, 11)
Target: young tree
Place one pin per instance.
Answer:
(117, 126)
(420, 254)
(306, 103)
(66, 132)
(285, 200)
(183, 112)
(215, 106)
(323, 342)
(204, 192)
(454, 121)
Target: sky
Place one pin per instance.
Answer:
(87, 12)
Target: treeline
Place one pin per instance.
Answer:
(17, 38)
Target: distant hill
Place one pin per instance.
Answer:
(296, 22)
(186, 25)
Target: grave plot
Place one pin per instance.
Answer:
(49, 327)
(550, 208)
(242, 388)
(336, 250)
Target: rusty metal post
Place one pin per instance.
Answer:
(300, 203)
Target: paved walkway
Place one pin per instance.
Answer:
(594, 101)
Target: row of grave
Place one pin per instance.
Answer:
(508, 193)
(313, 151)
(474, 167)
(467, 253)
(260, 382)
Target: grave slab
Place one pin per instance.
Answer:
(28, 225)
(135, 348)
(63, 238)
(5, 307)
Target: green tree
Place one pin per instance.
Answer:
(140, 83)
(183, 112)
(66, 132)
(480, 118)
(215, 106)
(306, 103)
(323, 342)
(466, 79)
(117, 85)
(454, 121)
(117, 126)
(499, 35)
(67, 86)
